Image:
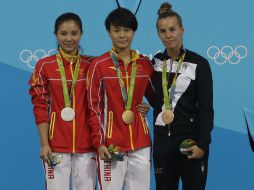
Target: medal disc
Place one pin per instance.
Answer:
(128, 117)
(67, 114)
(167, 117)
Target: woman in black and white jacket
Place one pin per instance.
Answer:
(183, 114)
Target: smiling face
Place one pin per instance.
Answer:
(170, 33)
(121, 37)
(68, 36)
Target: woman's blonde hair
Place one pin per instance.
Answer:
(165, 11)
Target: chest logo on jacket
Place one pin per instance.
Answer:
(139, 68)
(114, 68)
(82, 72)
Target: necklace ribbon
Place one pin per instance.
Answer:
(127, 95)
(67, 97)
(167, 96)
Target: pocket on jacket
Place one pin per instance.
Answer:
(52, 125)
(110, 124)
(144, 124)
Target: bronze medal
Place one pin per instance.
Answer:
(167, 116)
(128, 117)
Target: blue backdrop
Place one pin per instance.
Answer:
(221, 31)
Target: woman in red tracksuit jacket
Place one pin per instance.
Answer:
(112, 98)
(58, 91)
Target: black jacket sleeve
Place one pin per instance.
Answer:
(204, 100)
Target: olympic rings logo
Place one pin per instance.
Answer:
(30, 58)
(227, 54)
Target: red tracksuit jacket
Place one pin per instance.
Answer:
(48, 100)
(106, 103)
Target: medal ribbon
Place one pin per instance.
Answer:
(167, 97)
(127, 98)
(68, 57)
(67, 97)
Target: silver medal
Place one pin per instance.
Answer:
(67, 114)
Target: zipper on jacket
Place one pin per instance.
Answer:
(127, 89)
(73, 121)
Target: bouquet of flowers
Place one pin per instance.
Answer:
(187, 144)
(116, 154)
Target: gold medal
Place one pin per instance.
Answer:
(128, 117)
(167, 116)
